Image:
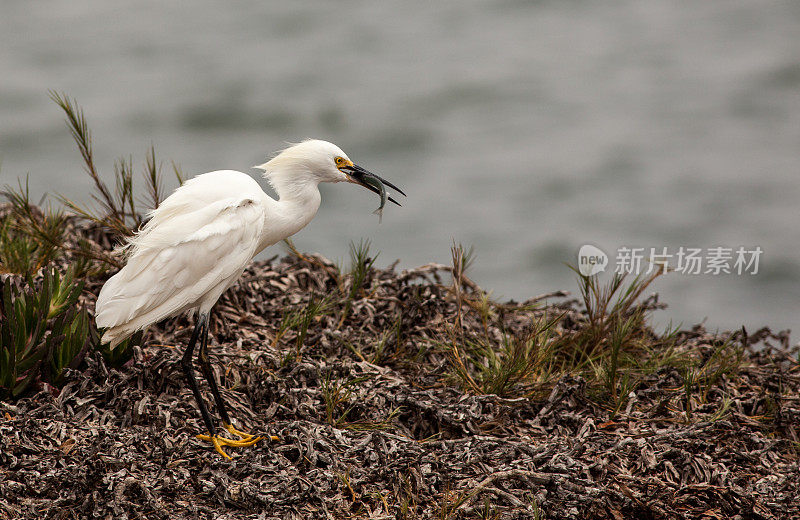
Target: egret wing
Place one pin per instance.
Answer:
(181, 262)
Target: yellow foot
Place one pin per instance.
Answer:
(245, 440)
(244, 436)
(219, 442)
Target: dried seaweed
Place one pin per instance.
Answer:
(400, 439)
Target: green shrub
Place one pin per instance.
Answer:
(42, 331)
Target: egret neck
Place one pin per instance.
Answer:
(298, 201)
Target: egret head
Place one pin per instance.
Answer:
(312, 159)
(315, 161)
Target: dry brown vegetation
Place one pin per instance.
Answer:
(420, 398)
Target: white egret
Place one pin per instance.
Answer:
(198, 241)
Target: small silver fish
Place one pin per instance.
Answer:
(373, 183)
(377, 184)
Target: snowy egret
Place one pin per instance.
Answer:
(198, 241)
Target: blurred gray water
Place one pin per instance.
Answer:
(523, 128)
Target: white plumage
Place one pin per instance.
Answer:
(195, 246)
(200, 239)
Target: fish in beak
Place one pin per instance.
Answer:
(358, 175)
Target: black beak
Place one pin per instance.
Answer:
(359, 174)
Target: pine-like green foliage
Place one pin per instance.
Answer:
(30, 237)
(117, 210)
(360, 264)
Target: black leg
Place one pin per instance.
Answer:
(205, 368)
(201, 328)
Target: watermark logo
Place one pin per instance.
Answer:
(690, 260)
(682, 260)
(591, 260)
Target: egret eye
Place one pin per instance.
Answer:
(339, 161)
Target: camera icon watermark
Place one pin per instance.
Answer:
(683, 260)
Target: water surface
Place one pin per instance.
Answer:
(523, 128)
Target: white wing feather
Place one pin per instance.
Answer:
(196, 244)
